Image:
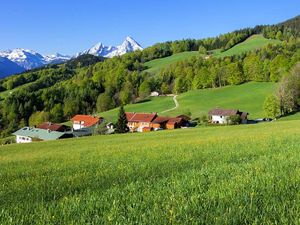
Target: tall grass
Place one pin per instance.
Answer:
(214, 175)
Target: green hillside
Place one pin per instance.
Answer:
(157, 64)
(252, 43)
(248, 97)
(214, 175)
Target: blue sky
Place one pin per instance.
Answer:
(69, 26)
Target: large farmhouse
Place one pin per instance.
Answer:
(83, 121)
(222, 116)
(30, 134)
(142, 122)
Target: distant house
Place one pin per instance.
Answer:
(53, 127)
(154, 94)
(222, 116)
(30, 134)
(143, 122)
(83, 121)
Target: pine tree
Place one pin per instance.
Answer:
(121, 126)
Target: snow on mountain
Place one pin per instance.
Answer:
(25, 58)
(19, 60)
(129, 45)
(56, 58)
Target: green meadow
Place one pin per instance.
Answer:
(247, 174)
(199, 102)
(252, 43)
(247, 97)
(157, 64)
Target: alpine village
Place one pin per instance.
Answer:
(191, 131)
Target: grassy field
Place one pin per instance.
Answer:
(157, 64)
(252, 43)
(247, 97)
(199, 102)
(215, 175)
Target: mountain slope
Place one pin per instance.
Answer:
(253, 43)
(8, 67)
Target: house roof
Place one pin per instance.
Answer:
(81, 132)
(141, 117)
(223, 112)
(51, 126)
(39, 133)
(160, 119)
(129, 115)
(174, 120)
(87, 120)
(185, 117)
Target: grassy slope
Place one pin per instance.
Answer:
(249, 97)
(158, 64)
(214, 175)
(252, 43)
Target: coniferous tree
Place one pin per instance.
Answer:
(121, 126)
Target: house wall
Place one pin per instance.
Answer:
(78, 126)
(219, 119)
(137, 126)
(23, 139)
(170, 126)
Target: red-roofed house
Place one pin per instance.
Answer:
(139, 121)
(142, 122)
(82, 121)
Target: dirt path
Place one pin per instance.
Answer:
(176, 105)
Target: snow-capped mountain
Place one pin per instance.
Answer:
(25, 58)
(129, 45)
(56, 58)
(19, 60)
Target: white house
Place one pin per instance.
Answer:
(30, 134)
(222, 116)
(83, 121)
(154, 94)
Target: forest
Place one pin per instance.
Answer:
(91, 84)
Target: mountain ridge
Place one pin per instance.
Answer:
(99, 49)
(20, 59)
